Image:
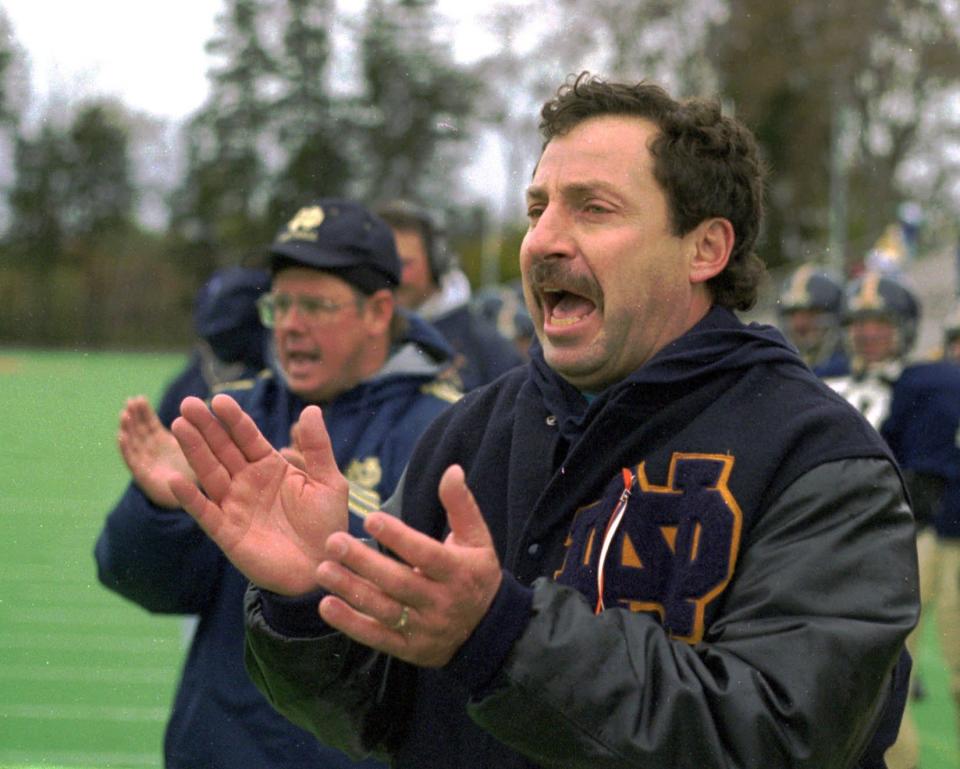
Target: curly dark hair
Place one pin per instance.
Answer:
(707, 165)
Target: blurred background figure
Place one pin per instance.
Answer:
(916, 408)
(946, 522)
(890, 253)
(504, 308)
(881, 315)
(231, 342)
(434, 286)
(809, 315)
(951, 334)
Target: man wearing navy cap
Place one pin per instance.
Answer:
(338, 342)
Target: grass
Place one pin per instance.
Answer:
(935, 714)
(86, 678)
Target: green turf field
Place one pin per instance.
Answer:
(935, 713)
(86, 679)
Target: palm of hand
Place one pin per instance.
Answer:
(271, 519)
(275, 522)
(150, 451)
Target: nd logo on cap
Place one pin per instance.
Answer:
(304, 224)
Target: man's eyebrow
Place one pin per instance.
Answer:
(582, 189)
(536, 192)
(578, 190)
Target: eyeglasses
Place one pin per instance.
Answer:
(273, 307)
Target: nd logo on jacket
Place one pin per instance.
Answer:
(668, 550)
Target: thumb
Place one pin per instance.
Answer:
(467, 524)
(314, 444)
(294, 457)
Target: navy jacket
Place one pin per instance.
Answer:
(481, 352)
(163, 561)
(837, 364)
(923, 429)
(757, 591)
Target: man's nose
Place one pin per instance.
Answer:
(551, 234)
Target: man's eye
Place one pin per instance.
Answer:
(595, 208)
(311, 306)
(534, 212)
(282, 303)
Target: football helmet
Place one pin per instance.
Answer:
(876, 295)
(809, 312)
(811, 287)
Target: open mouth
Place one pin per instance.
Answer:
(297, 359)
(565, 308)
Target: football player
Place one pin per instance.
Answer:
(916, 408)
(880, 315)
(809, 315)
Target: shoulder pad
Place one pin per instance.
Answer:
(242, 384)
(442, 390)
(362, 501)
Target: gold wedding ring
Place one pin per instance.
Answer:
(401, 623)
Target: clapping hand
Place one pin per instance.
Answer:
(150, 452)
(424, 603)
(271, 519)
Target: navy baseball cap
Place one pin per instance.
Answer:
(342, 237)
(228, 300)
(225, 315)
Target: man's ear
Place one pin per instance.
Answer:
(712, 241)
(378, 309)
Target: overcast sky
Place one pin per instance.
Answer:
(149, 54)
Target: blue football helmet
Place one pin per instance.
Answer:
(876, 295)
(811, 287)
(809, 313)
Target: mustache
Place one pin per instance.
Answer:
(554, 273)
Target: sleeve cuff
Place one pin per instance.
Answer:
(481, 657)
(294, 616)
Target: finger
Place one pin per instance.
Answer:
(210, 472)
(215, 433)
(364, 596)
(131, 433)
(314, 444)
(131, 421)
(244, 433)
(207, 514)
(147, 424)
(364, 629)
(396, 579)
(140, 411)
(414, 547)
(466, 521)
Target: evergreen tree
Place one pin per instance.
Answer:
(314, 139)
(71, 214)
(14, 82)
(35, 239)
(99, 193)
(222, 201)
(416, 101)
